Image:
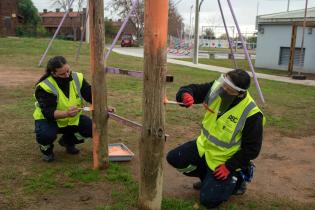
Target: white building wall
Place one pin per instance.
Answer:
(276, 36)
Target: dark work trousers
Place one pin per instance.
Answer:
(46, 133)
(213, 192)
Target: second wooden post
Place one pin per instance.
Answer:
(153, 131)
(99, 105)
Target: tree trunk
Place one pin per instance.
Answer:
(153, 131)
(99, 91)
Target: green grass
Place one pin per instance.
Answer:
(285, 110)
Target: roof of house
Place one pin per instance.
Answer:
(287, 17)
(58, 14)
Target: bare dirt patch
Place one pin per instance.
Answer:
(284, 168)
(14, 77)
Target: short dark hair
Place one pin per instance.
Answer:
(240, 78)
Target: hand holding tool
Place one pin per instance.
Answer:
(188, 100)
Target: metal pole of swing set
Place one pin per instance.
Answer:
(152, 140)
(228, 35)
(56, 32)
(99, 91)
(246, 53)
(196, 35)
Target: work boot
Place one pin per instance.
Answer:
(241, 189)
(48, 154)
(197, 185)
(48, 158)
(70, 149)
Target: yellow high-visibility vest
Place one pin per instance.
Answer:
(221, 137)
(63, 103)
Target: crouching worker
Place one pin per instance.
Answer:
(231, 136)
(59, 94)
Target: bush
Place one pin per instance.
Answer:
(41, 31)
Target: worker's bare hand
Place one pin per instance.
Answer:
(73, 111)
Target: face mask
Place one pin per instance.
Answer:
(63, 80)
(219, 93)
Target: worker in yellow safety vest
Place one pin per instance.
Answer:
(231, 136)
(59, 96)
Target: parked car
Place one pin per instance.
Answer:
(128, 40)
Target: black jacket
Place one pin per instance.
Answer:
(252, 133)
(48, 101)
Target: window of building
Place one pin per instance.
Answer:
(284, 57)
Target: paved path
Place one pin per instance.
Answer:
(138, 52)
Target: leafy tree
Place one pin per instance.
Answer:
(110, 30)
(30, 18)
(122, 7)
(65, 4)
(252, 39)
(28, 12)
(209, 33)
(175, 20)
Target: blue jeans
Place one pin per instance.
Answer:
(213, 192)
(46, 132)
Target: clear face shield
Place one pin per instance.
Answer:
(226, 91)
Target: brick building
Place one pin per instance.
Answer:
(8, 17)
(129, 29)
(71, 27)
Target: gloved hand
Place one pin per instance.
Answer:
(187, 99)
(221, 172)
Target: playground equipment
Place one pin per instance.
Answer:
(153, 134)
(179, 46)
(244, 46)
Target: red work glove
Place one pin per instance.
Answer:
(221, 172)
(187, 99)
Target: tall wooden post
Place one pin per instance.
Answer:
(99, 91)
(292, 49)
(153, 131)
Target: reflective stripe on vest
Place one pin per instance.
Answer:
(63, 102)
(238, 127)
(77, 84)
(52, 87)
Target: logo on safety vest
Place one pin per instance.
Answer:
(233, 119)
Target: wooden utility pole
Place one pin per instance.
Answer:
(292, 49)
(153, 131)
(99, 91)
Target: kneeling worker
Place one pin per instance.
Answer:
(231, 136)
(59, 94)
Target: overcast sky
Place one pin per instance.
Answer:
(246, 10)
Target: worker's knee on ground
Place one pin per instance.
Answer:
(172, 158)
(85, 126)
(210, 197)
(208, 202)
(46, 137)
